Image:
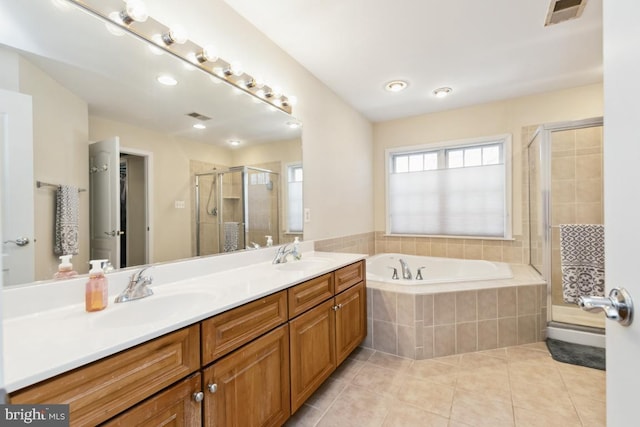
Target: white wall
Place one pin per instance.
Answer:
(337, 140)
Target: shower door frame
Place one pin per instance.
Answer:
(545, 131)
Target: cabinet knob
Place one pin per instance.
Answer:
(212, 388)
(337, 307)
(198, 397)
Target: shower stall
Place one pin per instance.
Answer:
(235, 209)
(565, 186)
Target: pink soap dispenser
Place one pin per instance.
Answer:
(65, 269)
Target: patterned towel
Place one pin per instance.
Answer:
(231, 232)
(582, 260)
(67, 214)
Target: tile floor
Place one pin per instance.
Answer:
(514, 386)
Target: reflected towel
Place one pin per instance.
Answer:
(231, 232)
(582, 260)
(67, 214)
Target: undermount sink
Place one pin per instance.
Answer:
(304, 264)
(151, 309)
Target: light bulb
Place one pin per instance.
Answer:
(208, 53)
(114, 29)
(176, 34)
(441, 92)
(136, 11)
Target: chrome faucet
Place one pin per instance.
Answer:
(406, 272)
(137, 288)
(281, 255)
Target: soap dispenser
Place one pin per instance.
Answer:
(65, 269)
(295, 252)
(269, 241)
(96, 289)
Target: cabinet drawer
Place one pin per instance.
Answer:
(307, 295)
(99, 391)
(228, 331)
(174, 406)
(349, 276)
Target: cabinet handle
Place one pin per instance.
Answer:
(337, 307)
(198, 397)
(212, 388)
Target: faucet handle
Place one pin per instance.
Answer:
(419, 273)
(394, 276)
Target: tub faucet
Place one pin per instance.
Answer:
(137, 288)
(406, 272)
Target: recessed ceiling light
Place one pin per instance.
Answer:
(199, 126)
(441, 92)
(395, 85)
(167, 80)
(234, 142)
(294, 125)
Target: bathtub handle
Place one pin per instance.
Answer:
(395, 273)
(419, 274)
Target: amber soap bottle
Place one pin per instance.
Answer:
(96, 289)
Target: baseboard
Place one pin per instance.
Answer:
(577, 335)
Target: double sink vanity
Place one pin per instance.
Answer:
(245, 345)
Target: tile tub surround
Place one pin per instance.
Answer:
(441, 320)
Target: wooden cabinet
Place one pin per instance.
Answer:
(351, 320)
(313, 351)
(229, 330)
(250, 387)
(100, 390)
(323, 337)
(307, 295)
(177, 406)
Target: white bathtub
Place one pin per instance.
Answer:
(437, 270)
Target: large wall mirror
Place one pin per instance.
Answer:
(96, 104)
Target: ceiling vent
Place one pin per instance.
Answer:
(563, 10)
(199, 116)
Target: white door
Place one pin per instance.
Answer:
(16, 188)
(104, 196)
(622, 201)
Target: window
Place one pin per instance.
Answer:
(294, 198)
(455, 189)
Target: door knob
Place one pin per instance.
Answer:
(20, 241)
(617, 306)
(114, 233)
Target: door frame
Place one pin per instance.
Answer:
(148, 172)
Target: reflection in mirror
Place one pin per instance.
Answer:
(87, 85)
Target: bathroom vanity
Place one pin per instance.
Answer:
(252, 363)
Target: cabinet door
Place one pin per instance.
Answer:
(176, 406)
(351, 320)
(313, 351)
(250, 387)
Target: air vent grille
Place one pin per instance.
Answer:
(199, 116)
(564, 10)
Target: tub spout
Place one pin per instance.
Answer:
(406, 272)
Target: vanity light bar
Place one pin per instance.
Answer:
(190, 52)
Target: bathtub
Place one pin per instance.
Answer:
(459, 306)
(436, 270)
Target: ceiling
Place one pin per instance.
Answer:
(485, 50)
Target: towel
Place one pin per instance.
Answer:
(231, 231)
(582, 260)
(67, 214)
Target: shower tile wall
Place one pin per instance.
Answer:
(576, 188)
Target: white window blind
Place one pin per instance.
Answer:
(294, 198)
(462, 193)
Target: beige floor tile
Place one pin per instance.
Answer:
(361, 354)
(326, 394)
(306, 416)
(405, 415)
(437, 372)
(490, 381)
(500, 353)
(587, 385)
(592, 413)
(429, 396)
(541, 346)
(540, 398)
(480, 409)
(356, 407)
(390, 361)
(542, 417)
(478, 360)
(347, 370)
(451, 360)
(379, 380)
(520, 353)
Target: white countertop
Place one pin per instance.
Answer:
(40, 344)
